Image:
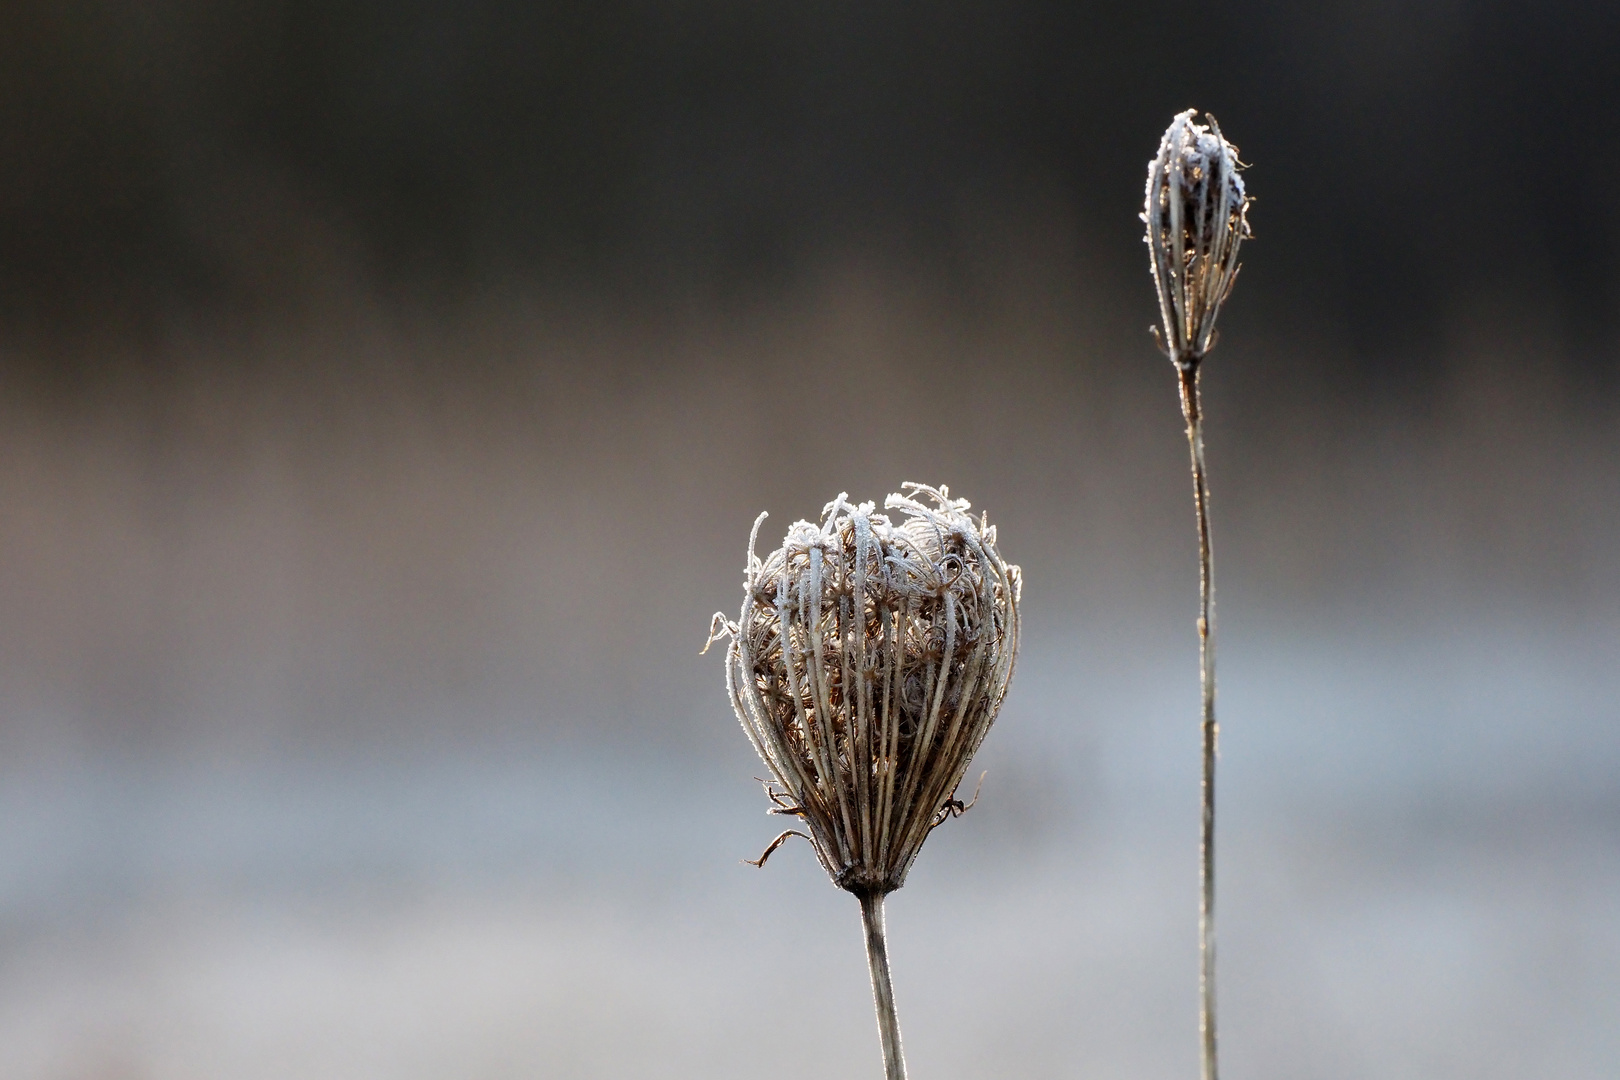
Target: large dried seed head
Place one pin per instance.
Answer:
(868, 662)
(1196, 216)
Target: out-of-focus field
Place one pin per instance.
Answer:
(353, 723)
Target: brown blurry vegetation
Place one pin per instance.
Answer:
(380, 519)
(362, 364)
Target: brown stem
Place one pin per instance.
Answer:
(1190, 408)
(877, 958)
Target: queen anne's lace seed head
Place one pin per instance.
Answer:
(868, 663)
(1197, 216)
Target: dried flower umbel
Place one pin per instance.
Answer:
(1197, 217)
(868, 662)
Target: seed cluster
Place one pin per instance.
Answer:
(867, 664)
(1197, 216)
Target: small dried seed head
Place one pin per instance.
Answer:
(868, 663)
(1196, 216)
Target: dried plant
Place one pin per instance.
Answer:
(867, 664)
(1197, 217)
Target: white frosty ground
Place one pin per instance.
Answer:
(1419, 868)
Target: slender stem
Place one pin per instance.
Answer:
(877, 958)
(1190, 408)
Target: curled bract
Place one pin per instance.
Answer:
(868, 662)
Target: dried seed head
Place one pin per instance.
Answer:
(1196, 217)
(867, 664)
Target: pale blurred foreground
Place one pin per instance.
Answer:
(1397, 902)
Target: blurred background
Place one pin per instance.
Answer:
(386, 392)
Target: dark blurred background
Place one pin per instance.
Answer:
(386, 391)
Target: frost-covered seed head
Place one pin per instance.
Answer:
(868, 662)
(1197, 216)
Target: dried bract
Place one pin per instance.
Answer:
(867, 664)
(1197, 217)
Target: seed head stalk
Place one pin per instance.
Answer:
(877, 959)
(1190, 408)
(1196, 214)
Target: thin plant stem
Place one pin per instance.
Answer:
(1191, 409)
(877, 958)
